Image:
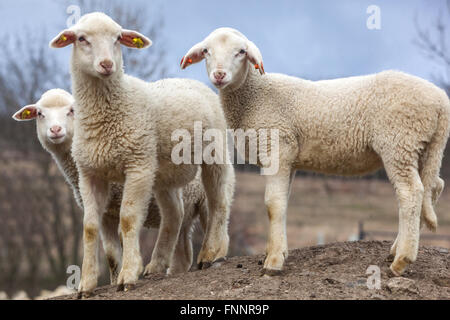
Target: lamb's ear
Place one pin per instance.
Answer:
(134, 39)
(255, 57)
(26, 113)
(63, 39)
(194, 55)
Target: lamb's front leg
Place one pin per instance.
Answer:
(137, 193)
(94, 192)
(276, 200)
(172, 212)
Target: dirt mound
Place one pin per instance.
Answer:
(332, 271)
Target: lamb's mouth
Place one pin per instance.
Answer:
(57, 138)
(220, 84)
(105, 73)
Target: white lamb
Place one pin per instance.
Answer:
(123, 129)
(54, 123)
(350, 126)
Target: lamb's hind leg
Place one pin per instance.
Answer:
(437, 190)
(217, 179)
(172, 212)
(182, 257)
(409, 191)
(428, 213)
(111, 243)
(435, 194)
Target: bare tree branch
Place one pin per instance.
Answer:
(433, 43)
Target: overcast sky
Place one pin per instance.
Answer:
(312, 39)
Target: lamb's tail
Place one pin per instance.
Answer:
(431, 165)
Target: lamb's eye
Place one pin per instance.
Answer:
(81, 39)
(40, 114)
(70, 112)
(205, 51)
(242, 51)
(118, 38)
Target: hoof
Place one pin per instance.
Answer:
(129, 287)
(218, 262)
(271, 272)
(223, 259)
(154, 268)
(391, 274)
(399, 266)
(204, 265)
(395, 273)
(84, 294)
(431, 225)
(126, 287)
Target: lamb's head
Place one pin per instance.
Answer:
(227, 53)
(54, 117)
(96, 40)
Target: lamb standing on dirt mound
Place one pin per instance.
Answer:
(350, 126)
(123, 129)
(54, 115)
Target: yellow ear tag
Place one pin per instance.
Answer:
(138, 42)
(63, 38)
(26, 114)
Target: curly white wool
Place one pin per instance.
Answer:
(348, 126)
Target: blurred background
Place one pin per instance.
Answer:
(40, 224)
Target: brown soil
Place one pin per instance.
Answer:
(332, 271)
